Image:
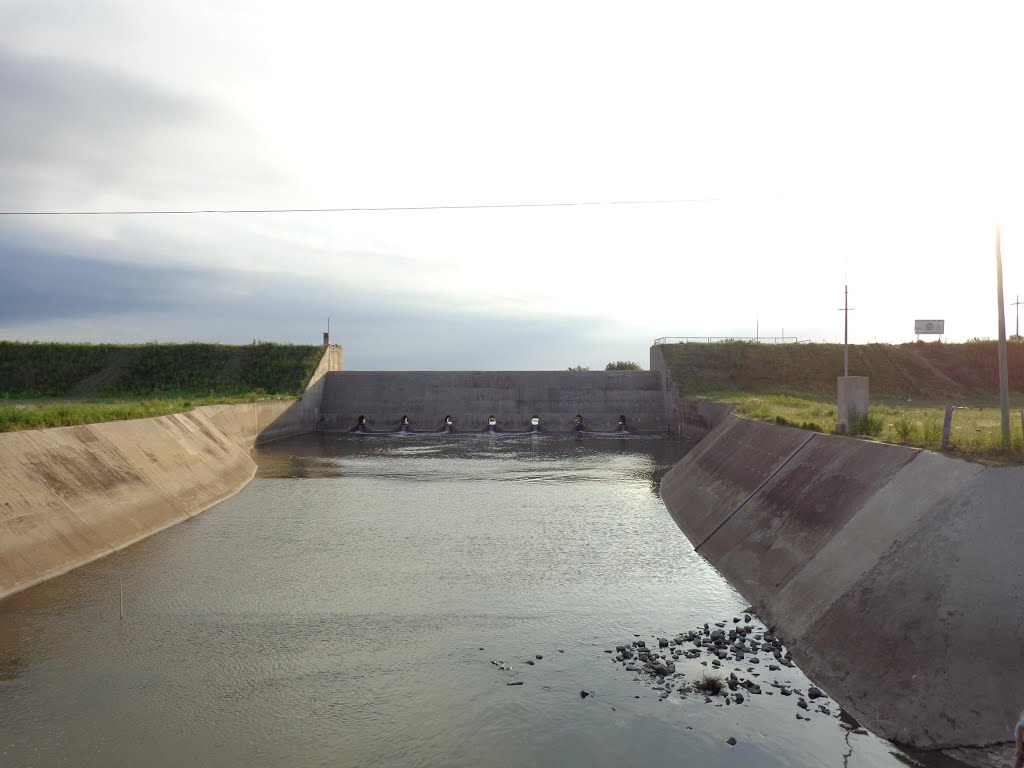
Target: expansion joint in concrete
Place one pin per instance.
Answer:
(754, 492)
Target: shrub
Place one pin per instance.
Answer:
(865, 424)
(904, 429)
(932, 432)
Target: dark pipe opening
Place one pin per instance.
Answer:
(579, 423)
(360, 424)
(405, 424)
(448, 423)
(622, 423)
(535, 424)
(491, 423)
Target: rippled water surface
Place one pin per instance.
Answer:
(345, 609)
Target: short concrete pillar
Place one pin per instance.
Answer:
(853, 398)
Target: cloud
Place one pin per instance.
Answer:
(74, 135)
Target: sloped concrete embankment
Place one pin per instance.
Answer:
(894, 574)
(74, 494)
(512, 397)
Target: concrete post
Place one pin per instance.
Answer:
(947, 427)
(853, 398)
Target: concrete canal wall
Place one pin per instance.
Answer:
(512, 397)
(894, 574)
(73, 494)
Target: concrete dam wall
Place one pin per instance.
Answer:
(71, 495)
(512, 397)
(894, 574)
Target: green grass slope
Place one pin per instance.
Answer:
(932, 371)
(109, 371)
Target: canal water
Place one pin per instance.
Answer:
(369, 601)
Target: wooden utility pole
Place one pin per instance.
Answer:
(1004, 385)
(1017, 304)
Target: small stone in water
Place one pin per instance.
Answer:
(731, 741)
(584, 694)
(518, 682)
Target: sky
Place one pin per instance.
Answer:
(784, 150)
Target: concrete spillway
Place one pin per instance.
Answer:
(513, 398)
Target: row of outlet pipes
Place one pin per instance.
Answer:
(492, 425)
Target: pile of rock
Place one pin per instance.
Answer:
(745, 643)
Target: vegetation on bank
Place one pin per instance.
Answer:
(975, 433)
(910, 385)
(935, 372)
(159, 371)
(59, 385)
(41, 414)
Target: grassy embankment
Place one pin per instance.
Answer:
(910, 385)
(55, 385)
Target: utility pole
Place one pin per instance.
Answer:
(846, 310)
(1017, 304)
(1004, 386)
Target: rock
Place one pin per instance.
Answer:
(641, 644)
(529, 662)
(774, 667)
(609, 651)
(786, 692)
(663, 642)
(731, 741)
(824, 710)
(584, 694)
(619, 648)
(860, 731)
(517, 682)
(814, 693)
(746, 617)
(538, 657)
(802, 704)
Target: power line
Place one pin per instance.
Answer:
(353, 210)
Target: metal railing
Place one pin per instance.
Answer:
(717, 339)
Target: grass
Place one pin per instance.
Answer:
(41, 414)
(975, 433)
(60, 385)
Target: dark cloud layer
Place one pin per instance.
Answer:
(140, 302)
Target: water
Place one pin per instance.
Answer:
(345, 609)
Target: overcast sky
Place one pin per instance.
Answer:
(809, 143)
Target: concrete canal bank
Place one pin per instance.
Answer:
(73, 494)
(894, 574)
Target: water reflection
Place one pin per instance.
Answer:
(346, 608)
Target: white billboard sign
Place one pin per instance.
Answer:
(930, 326)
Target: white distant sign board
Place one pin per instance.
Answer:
(930, 326)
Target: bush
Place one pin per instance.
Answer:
(865, 424)
(932, 432)
(623, 365)
(904, 429)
